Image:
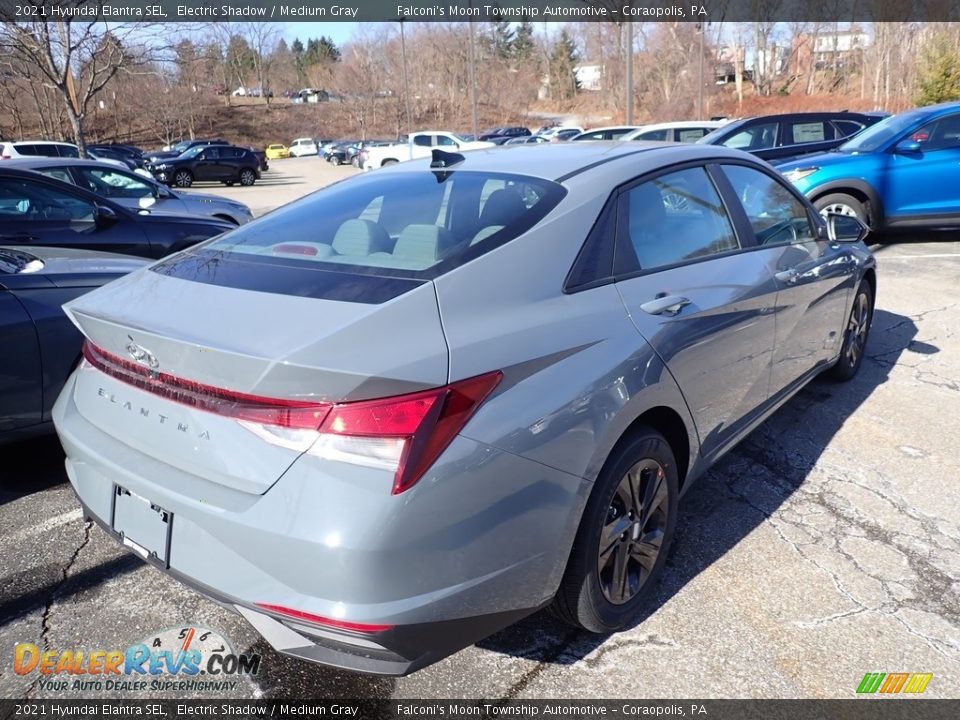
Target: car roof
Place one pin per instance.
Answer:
(37, 161)
(681, 124)
(38, 142)
(559, 161)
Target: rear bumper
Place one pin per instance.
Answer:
(480, 542)
(396, 652)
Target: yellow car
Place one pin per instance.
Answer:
(277, 152)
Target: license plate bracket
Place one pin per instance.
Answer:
(143, 526)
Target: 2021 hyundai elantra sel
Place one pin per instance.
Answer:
(402, 412)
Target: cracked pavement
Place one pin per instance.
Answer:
(825, 546)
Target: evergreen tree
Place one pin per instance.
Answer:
(564, 84)
(501, 40)
(523, 45)
(939, 73)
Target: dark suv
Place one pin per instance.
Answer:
(780, 138)
(220, 163)
(179, 148)
(502, 134)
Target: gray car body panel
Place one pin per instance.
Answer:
(487, 531)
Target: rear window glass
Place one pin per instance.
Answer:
(408, 225)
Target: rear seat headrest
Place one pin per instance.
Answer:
(360, 237)
(426, 243)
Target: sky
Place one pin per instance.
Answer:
(339, 32)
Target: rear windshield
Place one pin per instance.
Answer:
(404, 225)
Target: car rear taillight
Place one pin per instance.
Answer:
(404, 434)
(294, 414)
(365, 628)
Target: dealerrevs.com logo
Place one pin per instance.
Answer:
(179, 659)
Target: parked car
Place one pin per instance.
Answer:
(505, 133)
(529, 140)
(780, 138)
(218, 163)
(303, 146)
(39, 211)
(342, 153)
(903, 172)
(134, 191)
(43, 345)
(417, 145)
(37, 148)
(615, 132)
(417, 405)
(178, 149)
(569, 130)
(682, 131)
(565, 134)
(277, 151)
(107, 153)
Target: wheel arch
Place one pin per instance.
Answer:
(859, 189)
(668, 422)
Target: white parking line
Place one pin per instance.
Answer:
(47, 525)
(918, 257)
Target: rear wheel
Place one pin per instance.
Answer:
(247, 177)
(842, 204)
(183, 178)
(855, 335)
(624, 537)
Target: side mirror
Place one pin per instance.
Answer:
(907, 147)
(105, 215)
(163, 193)
(846, 228)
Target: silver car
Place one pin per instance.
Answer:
(134, 191)
(405, 411)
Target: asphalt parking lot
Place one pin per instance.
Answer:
(826, 546)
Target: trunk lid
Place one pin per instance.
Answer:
(307, 348)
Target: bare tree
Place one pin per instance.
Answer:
(76, 59)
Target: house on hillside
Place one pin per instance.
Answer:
(827, 49)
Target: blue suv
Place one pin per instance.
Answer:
(902, 172)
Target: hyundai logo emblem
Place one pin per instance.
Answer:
(141, 355)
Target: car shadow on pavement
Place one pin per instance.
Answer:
(30, 466)
(738, 494)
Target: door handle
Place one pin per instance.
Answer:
(789, 276)
(668, 305)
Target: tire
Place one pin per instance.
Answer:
(247, 177)
(590, 598)
(855, 335)
(183, 178)
(842, 204)
(334, 160)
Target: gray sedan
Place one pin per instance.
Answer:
(133, 190)
(417, 405)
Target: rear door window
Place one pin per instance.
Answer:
(67, 151)
(659, 135)
(808, 131)
(25, 149)
(111, 183)
(845, 128)
(690, 135)
(756, 137)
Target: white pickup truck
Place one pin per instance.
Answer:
(417, 145)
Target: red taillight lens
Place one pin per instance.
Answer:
(366, 628)
(408, 432)
(405, 433)
(296, 414)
